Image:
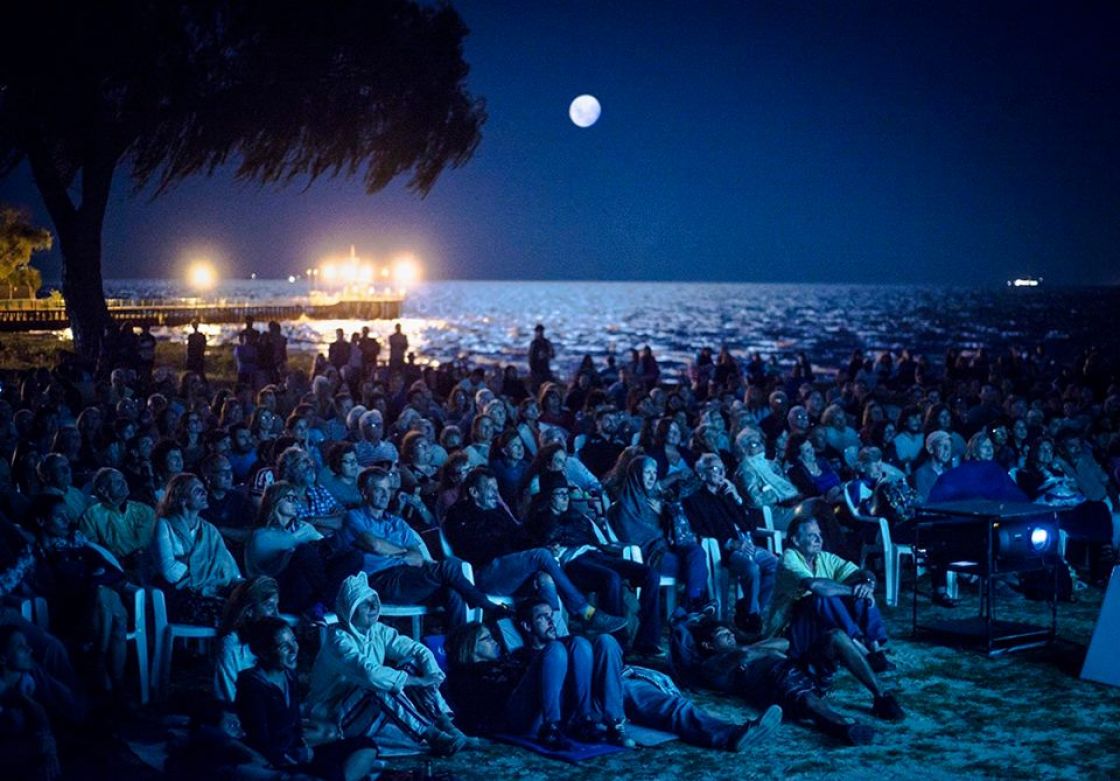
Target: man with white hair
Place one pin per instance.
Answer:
(939, 447)
(371, 448)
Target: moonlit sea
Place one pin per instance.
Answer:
(493, 321)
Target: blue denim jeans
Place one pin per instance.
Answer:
(689, 564)
(506, 575)
(756, 572)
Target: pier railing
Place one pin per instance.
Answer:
(50, 314)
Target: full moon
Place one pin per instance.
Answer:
(584, 111)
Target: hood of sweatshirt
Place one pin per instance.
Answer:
(355, 590)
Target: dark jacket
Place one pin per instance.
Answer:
(272, 726)
(480, 536)
(479, 692)
(716, 515)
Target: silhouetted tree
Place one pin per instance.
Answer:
(284, 91)
(18, 240)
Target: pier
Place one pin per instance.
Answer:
(50, 314)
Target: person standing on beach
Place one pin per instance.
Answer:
(398, 346)
(370, 348)
(541, 353)
(196, 350)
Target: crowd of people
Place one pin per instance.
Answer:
(530, 520)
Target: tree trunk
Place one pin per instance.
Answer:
(82, 286)
(79, 237)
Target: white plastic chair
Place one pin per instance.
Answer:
(138, 634)
(166, 633)
(667, 582)
(416, 613)
(720, 582)
(36, 610)
(892, 552)
(774, 537)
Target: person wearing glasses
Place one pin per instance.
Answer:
(717, 510)
(761, 481)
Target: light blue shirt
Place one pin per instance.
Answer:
(389, 527)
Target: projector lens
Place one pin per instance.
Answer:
(1040, 538)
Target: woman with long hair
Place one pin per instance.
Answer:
(188, 556)
(306, 565)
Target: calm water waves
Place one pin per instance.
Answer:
(493, 321)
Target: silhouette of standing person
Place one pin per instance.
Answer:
(398, 346)
(196, 350)
(541, 353)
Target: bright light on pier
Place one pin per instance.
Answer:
(352, 274)
(202, 275)
(406, 272)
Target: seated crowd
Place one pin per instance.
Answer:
(534, 523)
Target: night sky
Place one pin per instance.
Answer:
(739, 141)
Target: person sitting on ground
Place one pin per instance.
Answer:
(637, 519)
(366, 676)
(268, 705)
(524, 692)
(26, 738)
(188, 557)
(646, 697)
(594, 561)
(717, 511)
(250, 600)
(117, 523)
(825, 606)
(308, 567)
(763, 675)
(398, 562)
(494, 542)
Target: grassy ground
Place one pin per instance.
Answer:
(19, 351)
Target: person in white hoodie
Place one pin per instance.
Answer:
(366, 675)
